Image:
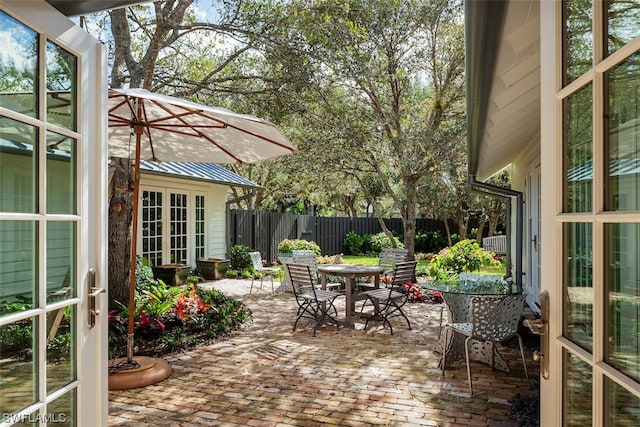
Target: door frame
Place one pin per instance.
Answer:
(91, 189)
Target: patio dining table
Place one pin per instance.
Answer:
(351, 272)
(457, 297)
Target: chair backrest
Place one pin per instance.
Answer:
(390, 256)
(256, 259)
(301, 278)
(496, 317)
(403, 272)
(309, 260)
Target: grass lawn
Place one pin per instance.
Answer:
(422, 264)
(353, 259)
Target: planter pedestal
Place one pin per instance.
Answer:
(213, 268)
(171, 274)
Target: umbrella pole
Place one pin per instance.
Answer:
(142, 371)
(138, 129)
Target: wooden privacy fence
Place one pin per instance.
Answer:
(263, 231)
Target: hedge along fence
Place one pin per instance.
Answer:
(263, 231)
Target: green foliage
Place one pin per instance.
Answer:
(289, 245)
(429, 241)
(144, 276)
(7, 307)
(239, 257)
(246, 274)
(381, 240)
(194, 315)
(353, 243)
(232, 274)
(465, 255)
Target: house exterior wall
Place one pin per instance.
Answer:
(523, 166)
(214, 216)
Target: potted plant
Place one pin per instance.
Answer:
(171, 274)
(213, 268)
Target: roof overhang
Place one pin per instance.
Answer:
(502, 42)
(85, 7)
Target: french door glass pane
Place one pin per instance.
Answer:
(578, 38)
(623, 278)
(624, 407)
(577, 391)
(578, 151)
(61, 173)
(61, 360)
(200, 225)
(18, 166)
(623, 136)
(622, 23)
(62, 411)
(61, 256)
(18, 367)
(151, 228)
(18, 269)
(578, 284)
(178, 224)
(18, 67)
(61, 84)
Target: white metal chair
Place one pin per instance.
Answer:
(493, 318)
(258, 266)
(313, 302)
(388, 301)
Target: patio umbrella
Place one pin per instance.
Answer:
(157, 127)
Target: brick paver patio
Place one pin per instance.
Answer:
(267, 375)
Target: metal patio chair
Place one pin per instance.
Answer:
(258, 266)
(313, 302)
(388, 301)
(493, 319)
(387, 259)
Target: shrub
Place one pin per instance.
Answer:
(430, 241)
(353, 243)
(465, 255)
(289, 245)
(239, 257)
(381, 240)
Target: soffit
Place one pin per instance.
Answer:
(85, 7)
(512, 109)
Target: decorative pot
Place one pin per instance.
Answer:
(212, 268)
(171, 274)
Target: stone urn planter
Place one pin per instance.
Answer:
(213, 268)
(171, 274)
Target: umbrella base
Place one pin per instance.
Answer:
(149, 371)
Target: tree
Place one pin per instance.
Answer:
(145, 44)
(383, 97)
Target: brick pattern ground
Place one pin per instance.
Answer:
(267, 375)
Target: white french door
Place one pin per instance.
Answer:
(590, 139)
(173, 226)
(53, 366)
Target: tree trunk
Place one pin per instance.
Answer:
(120, 215)
(446, 226)
(409, 216)
(481, 224)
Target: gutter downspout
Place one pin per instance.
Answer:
(507, 193)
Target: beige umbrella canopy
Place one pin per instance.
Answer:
(179, 130)
(151, 126)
